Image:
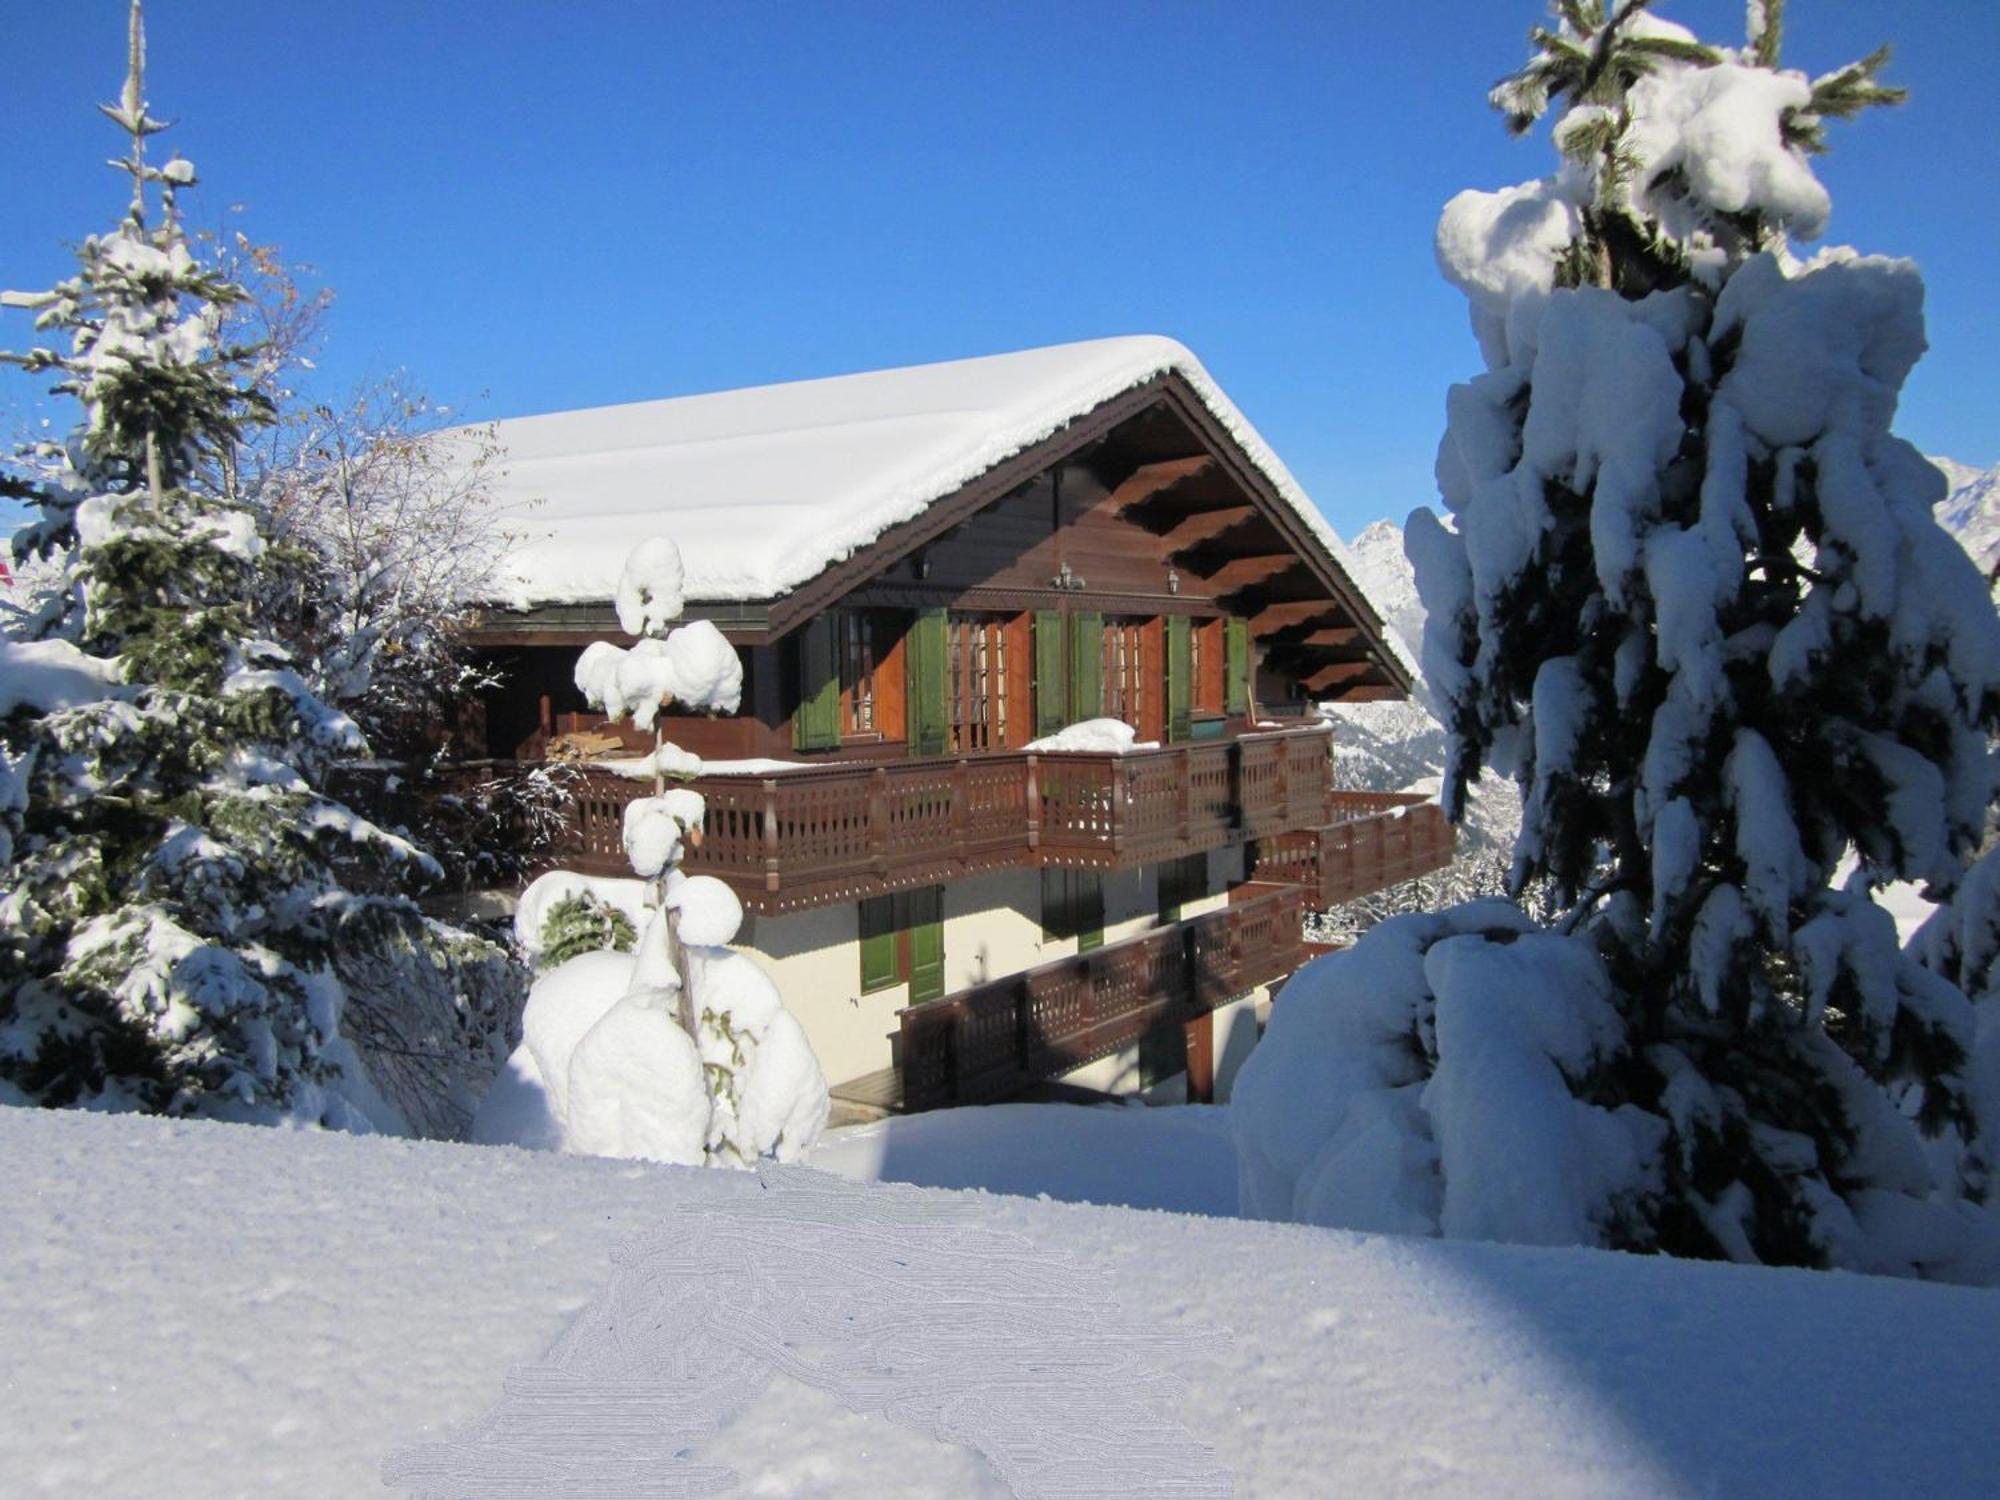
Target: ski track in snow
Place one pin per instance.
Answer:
(202, 1309)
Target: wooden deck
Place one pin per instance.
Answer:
(839, 832)
(1380, 839)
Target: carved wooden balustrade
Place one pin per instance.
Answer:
(797, 838)
(1375, 840)
(997, 1038)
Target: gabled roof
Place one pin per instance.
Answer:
(765, 488)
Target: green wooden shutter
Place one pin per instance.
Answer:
(878, 943)
(1180, 676)
(1088, 904)
(1086, 667)
(1051, 681)
(925, 674)
(926, 944)
(816, 725)
(1236, 642)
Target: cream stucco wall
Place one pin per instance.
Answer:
(992, 928)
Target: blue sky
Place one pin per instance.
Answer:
(538, 206)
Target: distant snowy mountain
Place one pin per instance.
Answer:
(1390, 581)
(1394, 746)
(1388, 746)
(1400, 746)
(1971, 512)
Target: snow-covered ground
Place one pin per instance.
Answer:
(203, 1309)
(1182, 1160)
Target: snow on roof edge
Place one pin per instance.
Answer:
(1137, 359)
(1293, 493)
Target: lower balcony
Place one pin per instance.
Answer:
(998, 1038)
(1376, 840)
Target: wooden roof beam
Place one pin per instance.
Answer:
(1287, 613)
(1334, 635)
(1371, 692)
(1206, 526)
(1338, 674)
(1148, 480)
(1240, 573)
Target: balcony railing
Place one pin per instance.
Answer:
(997, 1038)
(836, 832)
(1375, 840)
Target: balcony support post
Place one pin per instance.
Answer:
(878, 821)
(769, 813)
(1033, 799)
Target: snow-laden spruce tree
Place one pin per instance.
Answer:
(1693, 598)
(177, 928)
(681, 1050)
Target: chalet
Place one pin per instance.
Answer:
(927, 571)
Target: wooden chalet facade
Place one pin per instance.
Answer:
(953, 915)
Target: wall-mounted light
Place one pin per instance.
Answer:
(1173, 581)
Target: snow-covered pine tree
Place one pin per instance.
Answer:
(177, 917)
(1694, 599)
(683, 1051)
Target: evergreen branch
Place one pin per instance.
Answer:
(1584, 16)
(1605, 43)
(1766, 27)
(1845, 92)
(1675, 50)
(1839, 95)
(1802, 132)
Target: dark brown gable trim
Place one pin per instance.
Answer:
(899, 541)
(759, 623)
(1324, 566)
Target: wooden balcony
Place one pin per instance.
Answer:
(1375, 840)
(998, 1038)
(829, 833)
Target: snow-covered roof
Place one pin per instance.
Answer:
(764, 488)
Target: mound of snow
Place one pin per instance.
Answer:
(48, 676)
(331, 1300)
(1101, 736)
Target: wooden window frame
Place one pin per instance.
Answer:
(1163, 1051)
(893, 928)
(869, 643)
(860, 671)
(1210, 670)
(1181, 882)
(1133, 675)
(995, 648)
(1073, 907)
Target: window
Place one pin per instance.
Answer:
(902, 939)
(1206, 652)
(1073, 907)
(1163, 1050)
(1125, 686)
(1182, 881)
(858, 655)
(979, 684)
